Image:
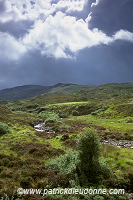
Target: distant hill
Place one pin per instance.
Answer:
(99, 92)
(22, 92)
(107, 91)
(27, 91)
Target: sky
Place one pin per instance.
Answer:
(45, 42)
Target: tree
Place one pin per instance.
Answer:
(89, 169)
(83, 166)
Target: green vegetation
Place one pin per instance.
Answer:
(83, 165)
(49, 117)
(4, 128)
(67, 153)
(68, 91)
(65, 163)
(100, 110)
(71, 108)
(90, 168)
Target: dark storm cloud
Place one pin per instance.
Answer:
(111, 16)
(94, 64)
(97, 65)
(84, 13)
(17, 29)
(107, 64)
(36, 69)
(2, 6)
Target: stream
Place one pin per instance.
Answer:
(41, 127)
(120, 144)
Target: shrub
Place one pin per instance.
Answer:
(90, 169)
(45, 114)
(26, 182)
(75, 113)
(98, 197)
(65, 163)
(94, 113)
(64, 127)
(84, 166)
(64, 114)
(122, 198)
(100, 110)
(51, 117)
(4, 128)
(2, 184)
(64, 137)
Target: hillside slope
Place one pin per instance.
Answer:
(22, 92)
(106, 91)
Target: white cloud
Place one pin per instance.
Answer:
(25, 10)
(124, 35)
(61, 34)
(10, 48)
(96, 3)
(70, 5)
(88, 18)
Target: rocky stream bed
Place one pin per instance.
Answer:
(41, 127)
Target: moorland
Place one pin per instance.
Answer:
(78, 121)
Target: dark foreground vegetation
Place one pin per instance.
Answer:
(69, 151)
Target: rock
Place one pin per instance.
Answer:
(120, 144)
(40, 127)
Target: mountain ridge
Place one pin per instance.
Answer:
(26, 91)
(29, 91)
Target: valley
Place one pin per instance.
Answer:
(45, 126)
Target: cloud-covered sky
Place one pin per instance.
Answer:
(73, 41)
